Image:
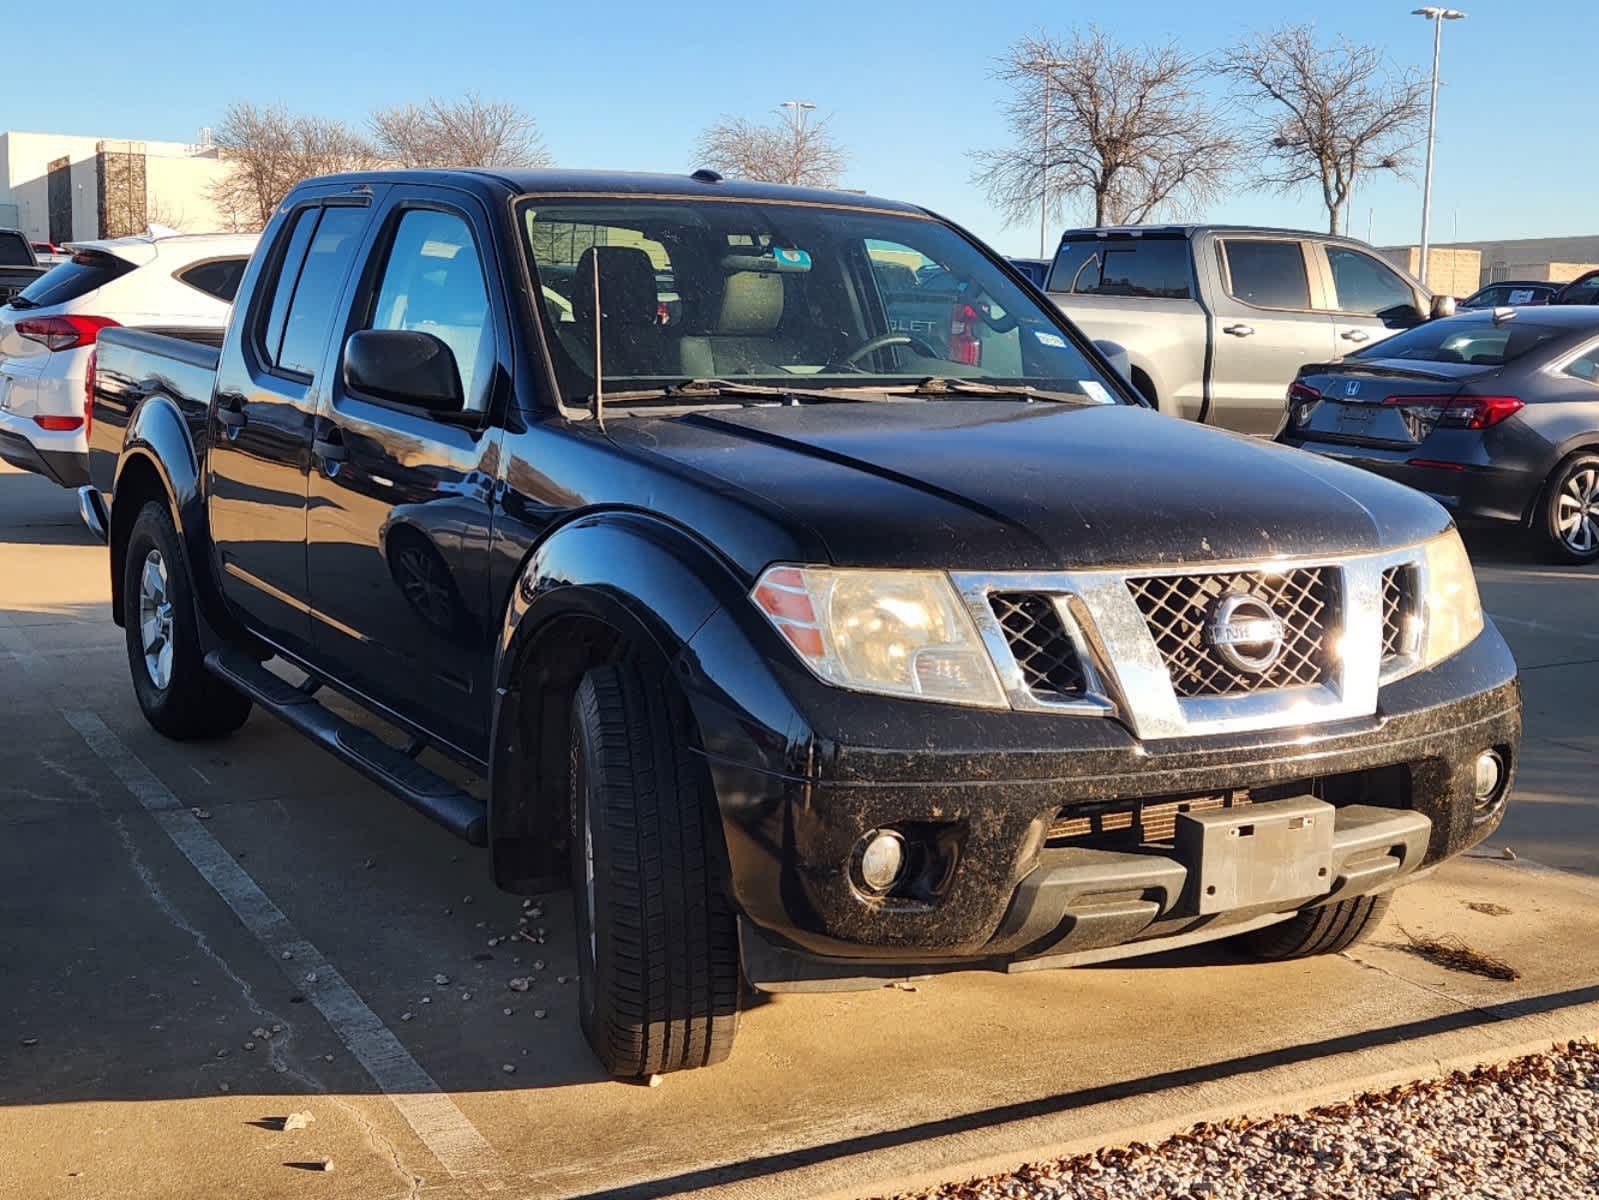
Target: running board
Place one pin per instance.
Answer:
(390, 768)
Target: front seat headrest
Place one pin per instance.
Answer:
(752, 303)
(627, 287)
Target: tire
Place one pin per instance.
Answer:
(657, 937)
(178, 696)
(1572, 494)
(1324, 930)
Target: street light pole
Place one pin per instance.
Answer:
(797, 110)
(1437, 16)
(1046, 65)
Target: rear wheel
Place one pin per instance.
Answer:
(1324, 930)
(657, 938)
(178, 696)
(1571, 510)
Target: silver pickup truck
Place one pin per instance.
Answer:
(1216, 319)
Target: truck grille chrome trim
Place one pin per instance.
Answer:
(1349, 624)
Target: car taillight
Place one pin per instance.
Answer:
(88, 394)
(964, 346)
(62, 333)
(1300, 392)
(1462, 412)
(58, 424)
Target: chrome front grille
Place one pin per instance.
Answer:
(1178, 609)
(1398, 607)
(1044, 652)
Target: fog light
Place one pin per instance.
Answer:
(1490, 774)
(882, 859)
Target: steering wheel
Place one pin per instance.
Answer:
(883, 341)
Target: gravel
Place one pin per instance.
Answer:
(1527, 1129)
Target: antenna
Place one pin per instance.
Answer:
(599, 378)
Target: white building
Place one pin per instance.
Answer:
(62, 188)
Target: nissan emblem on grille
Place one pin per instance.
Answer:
(1246, 633)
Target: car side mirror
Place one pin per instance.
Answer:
(1117, 353)
(404, 367)
(1442, 306)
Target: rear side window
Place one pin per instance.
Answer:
(1267, 274)
(81, 274)
(1365, 285)
(1157, 268)
(14, 251)
(1584, 290)
(218, 278)
(320, 248)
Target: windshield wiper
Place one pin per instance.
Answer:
(944, 385)
(706, 389)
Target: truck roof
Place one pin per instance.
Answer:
(626, 182)
(1189, 230)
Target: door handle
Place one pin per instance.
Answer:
(1239, 330)
(230, 410)
(1355, 335)
(329, 447)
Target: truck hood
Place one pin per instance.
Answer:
(982, 485)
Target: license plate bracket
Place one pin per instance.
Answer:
(1257, 854)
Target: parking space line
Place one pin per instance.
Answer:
(442, 1127)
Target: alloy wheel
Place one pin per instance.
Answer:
(1577, 511)
(155, 620)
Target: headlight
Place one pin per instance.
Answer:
(897, 633)
(1452, 610)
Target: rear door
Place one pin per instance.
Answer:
(1264, 328)
(1369, 300)
(274, 371)
(401, 499)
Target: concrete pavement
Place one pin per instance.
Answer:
(149, 891)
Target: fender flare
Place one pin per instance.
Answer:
(654, 584)
(157, 438)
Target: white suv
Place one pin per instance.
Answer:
(47, 332)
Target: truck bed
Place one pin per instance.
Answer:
(132, 363)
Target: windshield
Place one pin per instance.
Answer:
(1479, 343)
(774, 294)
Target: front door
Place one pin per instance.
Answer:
(1370, 300)
(271, 376)
(1264, 330)
(400, 499)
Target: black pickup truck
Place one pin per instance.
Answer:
(806, 643)
(19, 265)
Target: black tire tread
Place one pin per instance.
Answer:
(1324, 930)
(668, 996)
(195, 704)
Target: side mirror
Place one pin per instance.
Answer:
(1442, 306)
(403, 367)
(1117, 353)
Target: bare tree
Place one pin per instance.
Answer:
(1124, 130)
(470, 132)
(268, 150)
(794, 149)
(1324, 115)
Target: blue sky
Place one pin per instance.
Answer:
(629, 85)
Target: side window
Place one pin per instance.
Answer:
(1585, 366)
(288, 271)
(218, 278)
(1365, 285)
(316, 292)
(1152, 267)
(433, 283)
(1267, 274)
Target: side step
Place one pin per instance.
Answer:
(430, 794)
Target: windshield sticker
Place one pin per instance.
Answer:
(1053, 340)
(1095, 391)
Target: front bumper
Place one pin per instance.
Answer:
(986, 787)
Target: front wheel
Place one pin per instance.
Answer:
(657, 938)
(1324, 930)
(1570, 514)
(178, 696)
